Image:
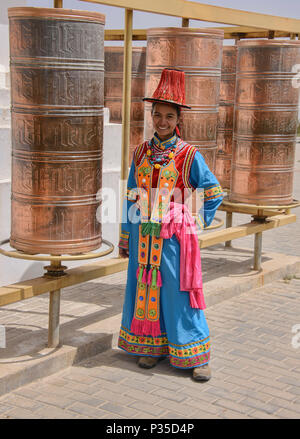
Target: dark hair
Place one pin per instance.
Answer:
(178, 109)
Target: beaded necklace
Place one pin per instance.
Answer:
(159, 156)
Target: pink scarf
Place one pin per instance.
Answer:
(180, 222)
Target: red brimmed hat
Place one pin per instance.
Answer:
(171, 88)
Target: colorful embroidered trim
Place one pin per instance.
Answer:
(166, 183)
(140, 345)
(187, 167)
(184, 356)
(200, 223)
(212, 192)
(141, 287)
(147, 301)
(190, 350)
(139, 152)
(144, 183)
(166, 143)
(190, 355)
(190, 363)
(138, 339)
(167, 179)
(153, 351)
(124, 240)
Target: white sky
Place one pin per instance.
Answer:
(115, 16)
(142, 20)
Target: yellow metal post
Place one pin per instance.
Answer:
(58, 3)
(126, 93)
(126, 105)
(228, 224)
(203, 12)
(271, 35)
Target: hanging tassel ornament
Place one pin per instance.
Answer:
(159, 279)
(149, 279)
(152, 229)
(138, 272)
(154, 278)
(141, 272)
(144, 277)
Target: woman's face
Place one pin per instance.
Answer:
(164, 119)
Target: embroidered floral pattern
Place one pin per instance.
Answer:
(189, 363)
(138, 339)
(212, 192)
(190, 351)
(184, 357)
(143, 350)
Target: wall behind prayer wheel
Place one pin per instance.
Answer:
(57, 81)
(197, 52)
(266, 118)
(113, 90)
(226, 112)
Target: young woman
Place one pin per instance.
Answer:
(163, 307)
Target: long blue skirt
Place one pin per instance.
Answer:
(184, 332)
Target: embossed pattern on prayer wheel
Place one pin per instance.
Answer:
(266, 118)
(197, 52)
(226, 112)
(57, 82)
(113, 90)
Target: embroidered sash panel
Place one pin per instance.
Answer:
(183, 159)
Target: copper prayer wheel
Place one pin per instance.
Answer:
(113, 90)
(57, 82)
(266, 118)
(226, 112)
(197, 52)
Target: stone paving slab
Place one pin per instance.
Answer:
(91, 313)
(255, 365)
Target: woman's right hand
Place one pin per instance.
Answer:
(123, 253)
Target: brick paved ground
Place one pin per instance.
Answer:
(256, 372)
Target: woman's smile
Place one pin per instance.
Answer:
(165, 119)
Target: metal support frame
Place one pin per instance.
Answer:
(185, 22)
(54, 272)
(228, 224)
(262, 215)
(257, 251)
(54, 311)
(204, 12)
(126, 104)
(230, 33)
(58, 3)
(126, 93)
